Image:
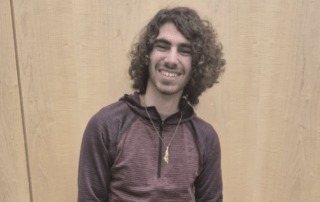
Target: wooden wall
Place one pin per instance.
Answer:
(61, 61)
(14, 184)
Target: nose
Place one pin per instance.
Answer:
(171, 59)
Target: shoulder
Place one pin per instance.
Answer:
(109, 121)
(206, 135)
(112, 113)
(111, 117)
(204, 129)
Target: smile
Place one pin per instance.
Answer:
(168, 74)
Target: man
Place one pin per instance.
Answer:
(151, 146)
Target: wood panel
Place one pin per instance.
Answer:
(266, 108)
(45, 39)
(73, 60)
(13, 165)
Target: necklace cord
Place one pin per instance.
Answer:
(156, 128)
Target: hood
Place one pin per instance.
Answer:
(133, 102)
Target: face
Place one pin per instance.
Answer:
(170, 61)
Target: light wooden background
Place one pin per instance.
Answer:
(63, 60)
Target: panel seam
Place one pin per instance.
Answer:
(21, 100)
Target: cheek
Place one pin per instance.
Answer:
(187, 63)
(155, 56)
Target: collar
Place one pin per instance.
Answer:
(133, 102)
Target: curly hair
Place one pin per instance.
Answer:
(207, 60)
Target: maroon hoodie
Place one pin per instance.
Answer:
(121, 156)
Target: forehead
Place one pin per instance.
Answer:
(169, 32)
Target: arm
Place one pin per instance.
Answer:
(208, 185)
(94, 171)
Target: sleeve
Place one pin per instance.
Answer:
(94, 171)
(208, 185)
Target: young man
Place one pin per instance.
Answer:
(151, 146)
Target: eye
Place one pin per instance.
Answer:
(161, 47)
(185, 51)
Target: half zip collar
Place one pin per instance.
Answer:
(134, 103)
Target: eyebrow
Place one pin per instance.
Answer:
(184, 45)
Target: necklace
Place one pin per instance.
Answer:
(166, 156)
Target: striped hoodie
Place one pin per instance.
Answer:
(121, 156)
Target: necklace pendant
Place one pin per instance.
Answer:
(166, 156)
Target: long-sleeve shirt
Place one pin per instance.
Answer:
(121, 156)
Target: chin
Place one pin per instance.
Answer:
(166, 90)
(167, 93)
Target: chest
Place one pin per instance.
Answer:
(139, 160)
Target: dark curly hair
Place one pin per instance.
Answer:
(207, 61)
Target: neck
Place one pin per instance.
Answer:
(165, 104)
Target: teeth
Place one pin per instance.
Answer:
(169, 74)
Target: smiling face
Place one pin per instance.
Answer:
(170, 61)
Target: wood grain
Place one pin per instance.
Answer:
(49, 87)
(13, 165)
(266, 108)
